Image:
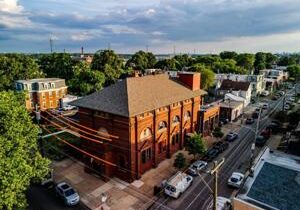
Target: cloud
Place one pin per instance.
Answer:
(81, 36)
(10, 6)
(134, 24)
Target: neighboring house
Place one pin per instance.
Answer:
(44, 93)
(209, 118)
(149, 117)
(256, 81)
(230, 109)
(273, 183)
(274, 78)
(237, 88)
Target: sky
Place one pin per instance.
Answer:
(161, 26)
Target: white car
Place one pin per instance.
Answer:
(286, 107)
(265, 93)
(196, 167)
(223, 203)
(68, 107)
(67, 193)
(236, 180)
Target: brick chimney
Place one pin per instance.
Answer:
(190, 79)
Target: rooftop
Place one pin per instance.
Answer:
(231, 104)
(234, 85)
(276, 182)
(39, 80)
(137, 95)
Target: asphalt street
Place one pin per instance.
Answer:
(237, 159)
(44, 198)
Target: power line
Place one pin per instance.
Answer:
(104, 176)
(90, 129)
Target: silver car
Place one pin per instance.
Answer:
(196, 167)
(67, 193)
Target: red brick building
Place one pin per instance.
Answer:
(150, 115)
(44, 93)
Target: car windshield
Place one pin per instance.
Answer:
(69, 192)
(234, 179)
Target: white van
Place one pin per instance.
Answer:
(177, 184)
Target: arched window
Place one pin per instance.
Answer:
(187, 115)
(103, 132)
(145, 133)
(176, 119)
(162, 125)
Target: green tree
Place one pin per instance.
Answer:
(15, 67)
(108, 63)
(141, 60)
(195, 145)
(228, 55)
(207, 75)
(183, 61)
(179, 161)
(218, 132)
(20, 160)
(294, 71)
(246, 61)
(260, 61)
(227, 66)
(57, 65)
(270, 60)
(208, 60)
(85, 80)
(287, 60)
(166, 64)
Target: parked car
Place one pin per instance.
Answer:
(231, 136)
(292, 99)
(68, 107)
(265, 93)
(177, 184)
(287, 107)
(236, 180)
(255, 115)
(221, 146)
(266, 133)
(249, 120)
(260, 141)
(223, 120)
(223, 203)
(67, 193)
(265, 106)
(210, 154)
(196, 167)
(276, 97)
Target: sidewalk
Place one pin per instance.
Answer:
(121, 195)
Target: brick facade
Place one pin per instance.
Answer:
(144, 140)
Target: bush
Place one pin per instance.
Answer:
(179, 161)
(218, 132)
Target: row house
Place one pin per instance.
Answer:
(149, 117)
(44, 93)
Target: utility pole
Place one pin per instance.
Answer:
(215, 172)
(51, 45)
(147, 48)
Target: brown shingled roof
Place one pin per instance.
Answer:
(234, 85)
(136, 95)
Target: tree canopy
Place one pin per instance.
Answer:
(86, 80)
(246, 61)
(228, 55)
(109, 63)
(15, 67)
(294, 71)
(207, 75)
(20, 160)
(166, 64)
(195, 145)
(57, 65)
(141, 60)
